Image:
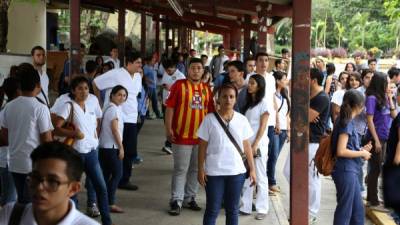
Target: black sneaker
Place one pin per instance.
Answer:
(175, 209)
(128, 186)
(192, 205)
(167, 150)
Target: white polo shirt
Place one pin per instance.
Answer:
(74, 217)
(132, 83)
(86, 122)
(111, 112)
(44, 83)
(222, 158)
(91, 102)
(253, 115)
(337, 97)
(168, 81)
(115, 61)
(25, 118)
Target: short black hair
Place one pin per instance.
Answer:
(27, 76)
(317, 75)
(221, 47)
(10, 87)
(37, 47)
(204, 56)
(250, 58)
(330, 68)
(75, 82)
(284, 51)
(169, 63)
(277, 62)
(372, 60)
(91, 66)
(237, 64)
(195, 60)
(57, 150)
(132, 57)
(393, 72)
(260, 54)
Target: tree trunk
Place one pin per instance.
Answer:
(4, 4)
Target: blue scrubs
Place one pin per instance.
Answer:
(349, 209)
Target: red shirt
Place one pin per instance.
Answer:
(191, 102)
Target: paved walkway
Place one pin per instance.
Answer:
(149, 205)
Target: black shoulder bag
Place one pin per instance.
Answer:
(232, 139)
(16, 214)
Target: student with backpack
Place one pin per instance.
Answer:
(346, 148)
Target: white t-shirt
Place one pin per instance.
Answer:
(169, 81)
(111, 112)
(283, 113)
(91, 102)
(74, 217)
(4, 157)
(222, 158)
(253, 115)
(115, 61)
(86, 122)
(44, 82)
(25, 118)
(337, 97)
(132, 83)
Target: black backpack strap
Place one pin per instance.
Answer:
(231, 138)
(45, 98)
(16, 214)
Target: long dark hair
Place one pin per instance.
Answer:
(284, 92)
(117, 88)
(250, 102)
(352, 64)
(355, 75)
(377, 88)
(351, 99)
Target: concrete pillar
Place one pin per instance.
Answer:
(75, 36)
(27, 26)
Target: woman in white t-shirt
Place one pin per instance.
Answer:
(111, 150)
(256, 111)
(221, 169)
(86, 140)
(281, 128)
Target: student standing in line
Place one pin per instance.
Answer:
(220, 166)
(55, 178)
(346, 147)
(86, 140)
(111, 150)
(188, 103)
(38, 60)
(26, 125)
(282, 128)
(130, 77)
(380, 110)
(12, 90)
(256, 112)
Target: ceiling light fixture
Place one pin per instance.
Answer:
(176, 7)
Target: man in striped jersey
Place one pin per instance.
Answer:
(187, 104)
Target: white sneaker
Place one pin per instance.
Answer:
(312, 220)
(167, 150)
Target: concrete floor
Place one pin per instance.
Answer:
(149, 205)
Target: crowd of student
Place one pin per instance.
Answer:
(225, 121)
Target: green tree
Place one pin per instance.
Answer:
(340, 31)
(360, 21)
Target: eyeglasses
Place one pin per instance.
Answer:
(49, 184)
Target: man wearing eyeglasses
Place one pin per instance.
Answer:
(55, 178)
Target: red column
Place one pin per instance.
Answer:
(299, 113)
(74, 52)
(227, 40)
(236, 37)
(143, 34)
(246, 37)
(121, 34)
(166, 36)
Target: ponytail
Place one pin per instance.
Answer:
(345, 114)
(351, 100)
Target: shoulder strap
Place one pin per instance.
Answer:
(102, 118)
(45, 98)
(283, 100)
(16, 214)
(231, 138)
(70, 118)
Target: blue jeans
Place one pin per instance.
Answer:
(93, 172)
(349, 209)
(22, 188)
(112, 171)
(275, 145)
(228, 190)
(8, 192)
(154, 101)
(129, 142)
